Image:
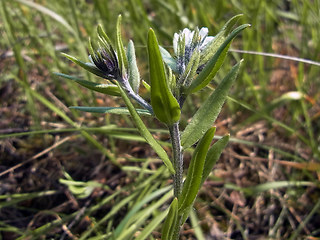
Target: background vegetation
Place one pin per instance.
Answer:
(72, 175)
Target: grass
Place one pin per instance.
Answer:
(72, 175)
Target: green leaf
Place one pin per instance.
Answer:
(145, 132)
(137, 206)
(215, 63)
(152, 226)
(109, 89)
(122, 58)
(87, 66)
(114, 110)
(209, 111)
(192, 183)
(168, 59)
(213, 155)
(164, 104)
(214, 45)
(134, 76)
(171, 221)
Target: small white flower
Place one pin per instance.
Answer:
(192, 41)
(187, 35)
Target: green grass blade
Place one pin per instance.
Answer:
(155, 223)
(269, 186)
(49, 13)
(196, 226)
(136, 208)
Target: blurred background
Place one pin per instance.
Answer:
(73, 175)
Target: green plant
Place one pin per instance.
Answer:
(197, 59)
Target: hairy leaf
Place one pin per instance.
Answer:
(193, 180)
(114, 110)
(213, 155)
(134, 75)
(215, 63)
(209, 111)
(109, 89)
(170, 222)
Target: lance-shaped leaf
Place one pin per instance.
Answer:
(109, 89)
(87, 66)
(213, 46)
(169, 224)
(114, 110)
(168, 59)
(209, 111)
(193, 181)
(213, 155)
(122, 58)
(212, 67)
(145, 132)
(134, 75)
(164, 104)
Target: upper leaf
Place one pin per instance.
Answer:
(209, 111)
(214, 64)
(164, 104)
(213, 46)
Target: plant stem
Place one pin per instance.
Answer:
(177, 158)
(178, 167)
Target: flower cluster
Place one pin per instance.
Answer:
(186, 42)
(106, 61)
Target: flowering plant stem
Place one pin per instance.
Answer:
(177, 158)
(178, 167)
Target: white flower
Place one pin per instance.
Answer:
(186, 43)
(187, 35)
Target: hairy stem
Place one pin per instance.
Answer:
(177, 158)
(178, 167)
